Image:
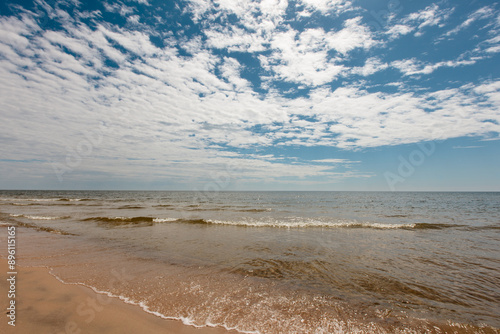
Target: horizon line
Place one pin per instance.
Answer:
(179, 190)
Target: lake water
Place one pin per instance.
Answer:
(276, 262)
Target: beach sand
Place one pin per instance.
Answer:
(45, 305)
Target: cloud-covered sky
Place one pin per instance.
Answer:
(249, 95)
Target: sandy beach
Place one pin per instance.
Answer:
(45, 305)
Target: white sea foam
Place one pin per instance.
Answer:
(304, 222)
(185, 320)
(43, 217)
(31, 199)
(38, 217)
(163, 220)
(15, 199)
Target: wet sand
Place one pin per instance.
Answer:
(45, 305)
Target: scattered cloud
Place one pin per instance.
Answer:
(482, 13)
(399, 30)
(247, 80)
(121, 9)
(372, 66)
(466, 147)
(304, 58)
(415, 67)
(428, 17)
(144, 2)
(324, 6)
(335, 161)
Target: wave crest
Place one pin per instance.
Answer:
(268, 222)
(38, 217)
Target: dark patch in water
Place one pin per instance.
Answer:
(131, 207)
(37, 227)
(429, 226)
(395, 216)
(122, 221)
(163, 206)
(194, 221)
(44, 228)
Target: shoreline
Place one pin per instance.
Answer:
(46, 305)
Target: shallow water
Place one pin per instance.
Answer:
(278, 262)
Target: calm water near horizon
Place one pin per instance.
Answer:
(277, 262)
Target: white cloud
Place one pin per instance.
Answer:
(354, 35)
(181, 112)
(122, 9)
(133, 41)
(488, 88)
(273, 8)
(231, 72)
(198, 8)
(372, 66)
(304, 57)
(134, 19)
(466, 147)
(362, 119)
(493, 49)
(325, 6)
(492, 44)
(415, 67)
(300, 57)
(428, 17)
(258, 17)
(399, 30)
(257, 22)
(336, 161)
(144, 2)
(480, 14)
(235, 39)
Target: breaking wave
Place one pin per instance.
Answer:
(275, 223)
(74, 199)
(305, 223)
(38, 217)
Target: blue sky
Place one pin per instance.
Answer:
(250, 95)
